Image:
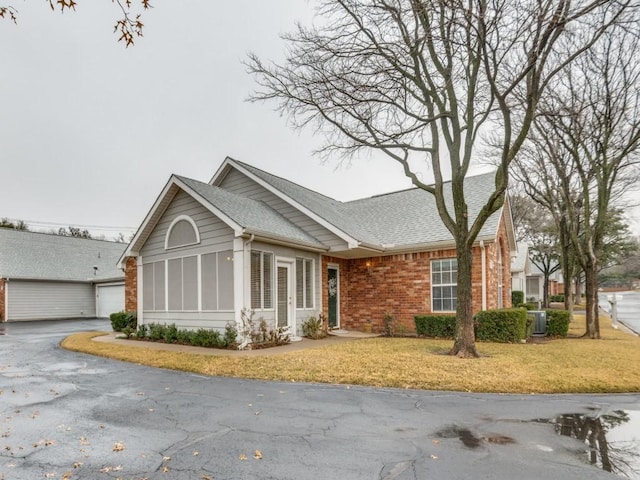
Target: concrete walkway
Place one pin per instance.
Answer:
(334, 338)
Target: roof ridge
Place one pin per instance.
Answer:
(244, 164)
(55, 235)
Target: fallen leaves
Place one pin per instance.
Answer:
(257, 455)
(118, 447)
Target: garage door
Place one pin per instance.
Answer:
(48, 300)
(109, 299)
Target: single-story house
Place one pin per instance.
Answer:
(45, 276)
(250, 240)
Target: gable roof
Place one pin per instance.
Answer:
(400, 221)
(393, 221)
(251, 215)
(42, 256)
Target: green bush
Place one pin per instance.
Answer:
(443, 326)
(170, 333)
(122, 320)
(142, 332)
(529, 306)
(230, 335)
(517, 298)
(557, 298)
(203, 337)
(506, 325)
(558, 323)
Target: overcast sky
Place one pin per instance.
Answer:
(90, 131)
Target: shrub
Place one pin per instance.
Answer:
(558, 323)
(443, 326)
(391, 326)
(230, 335)
(122, 320)
(315, 328)
(170, 333)
(517, 298)
(156, 331)
(506, 325)
(142, 332)
(557, 298)
(203, 337)
(185, 337)
(530, 306)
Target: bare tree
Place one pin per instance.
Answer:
(589, 132)
(129, 26)
(420, 80)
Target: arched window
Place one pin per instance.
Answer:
(183, 231)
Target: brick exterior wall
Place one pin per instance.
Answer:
(3, 313)
(401, 284)
(131, 285)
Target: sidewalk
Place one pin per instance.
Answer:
(336, 337)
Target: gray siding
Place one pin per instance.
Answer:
(239, 183)
(191, 320)
(215, 235)
(49, 300)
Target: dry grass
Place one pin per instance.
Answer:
(558, 366)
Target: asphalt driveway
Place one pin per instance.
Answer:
(74, 416)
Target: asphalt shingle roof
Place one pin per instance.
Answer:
(41, 256)
(251, 214)
(404, 218)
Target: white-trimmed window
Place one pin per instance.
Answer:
(217, 280)
(444, 285)
(261, 280)
(304, 283)
(182, 232)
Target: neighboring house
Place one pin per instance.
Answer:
(45, 276)
(535, 284)
(520, 269)
(251, 240)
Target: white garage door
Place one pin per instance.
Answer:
(109, 299)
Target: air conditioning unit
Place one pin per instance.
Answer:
(539, 321)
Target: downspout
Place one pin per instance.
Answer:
(244, 249)
(484, 274)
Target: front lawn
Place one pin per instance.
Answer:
(557, 366)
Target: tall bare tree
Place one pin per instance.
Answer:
(421, 80)
(589, 133)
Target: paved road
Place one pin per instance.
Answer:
(71, 414)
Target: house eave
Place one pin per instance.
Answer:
(266, 237)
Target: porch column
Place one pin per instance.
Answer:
(241, 277)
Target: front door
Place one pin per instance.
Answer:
(333, 286)
(283, 294)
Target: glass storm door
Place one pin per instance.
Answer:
(283, 295)
(333, 295)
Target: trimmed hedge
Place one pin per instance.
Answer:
(558, 323)
(557, 298)
(506, 325)
(442, 326)
(124, 320)
(203, 337)
(517, 298)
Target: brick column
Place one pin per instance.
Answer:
(131, 285)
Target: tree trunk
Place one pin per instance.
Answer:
(465, 339)
(591, 291)
(545, 292)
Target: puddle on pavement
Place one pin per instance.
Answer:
(612, 440)
(469, 439)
